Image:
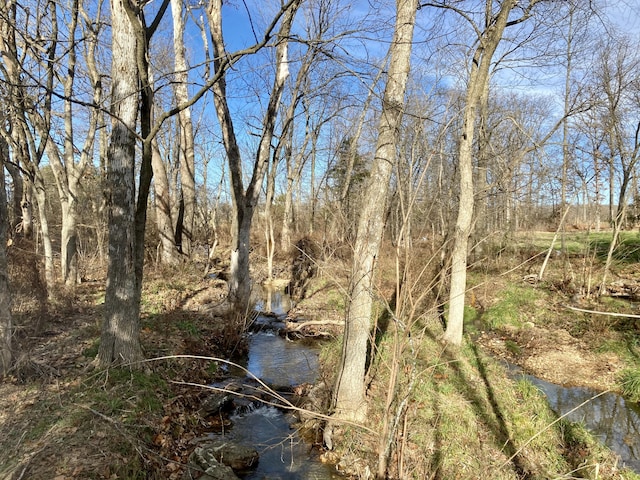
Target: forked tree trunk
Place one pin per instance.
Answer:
(244, 202)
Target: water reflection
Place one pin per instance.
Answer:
(271, 300)
(281, 362)
(609, 416)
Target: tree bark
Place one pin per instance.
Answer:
(349, 400)
(164, 220)
(6, 322)
(120, 342)
(478, 78)
(187, 152)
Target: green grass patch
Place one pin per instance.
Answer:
(627, 251)
(336, 300)
(92, 351)
(630, 384)
(188, 327)
(126, 394)
(581, 243)
(515, 306)
(466, 419)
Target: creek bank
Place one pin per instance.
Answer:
(575, 381)
(553, 355)
(607, 415)
(252, 406)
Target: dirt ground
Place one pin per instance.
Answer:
(61, 418)
(555, 356)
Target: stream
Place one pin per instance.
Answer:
(285, 456)
(277, 361)
(609, 417)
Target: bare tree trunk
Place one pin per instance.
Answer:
(269, 235)
(349, 392)
(41, 199)
(18, 187)
(187, 152)
(26, 207)
(478, 78)
(164, 221)
(6, 322)
(482, 186)
(120, 342)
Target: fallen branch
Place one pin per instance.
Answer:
(597, 312)
(300, 326)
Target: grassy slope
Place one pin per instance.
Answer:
(465, 419)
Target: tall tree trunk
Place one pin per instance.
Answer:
(6, 322)
(187, 152)
(482, 186)
(120, 342)
(349, 401)
(269, 235)
(478, 78)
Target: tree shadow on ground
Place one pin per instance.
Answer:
(482, 399)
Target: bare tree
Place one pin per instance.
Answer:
(245, 200)
(68, 167)
(489, 34)
(186, 145)
(29, 116)
(349, 401)
(621, 126)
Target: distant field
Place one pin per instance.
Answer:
(581, 243)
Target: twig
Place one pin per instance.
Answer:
(598, 312)
(285, 403)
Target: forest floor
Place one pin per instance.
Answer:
(61, 418)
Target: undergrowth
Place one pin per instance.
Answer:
(466, 419)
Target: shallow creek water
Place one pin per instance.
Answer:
(277, 361)
(608, 416)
